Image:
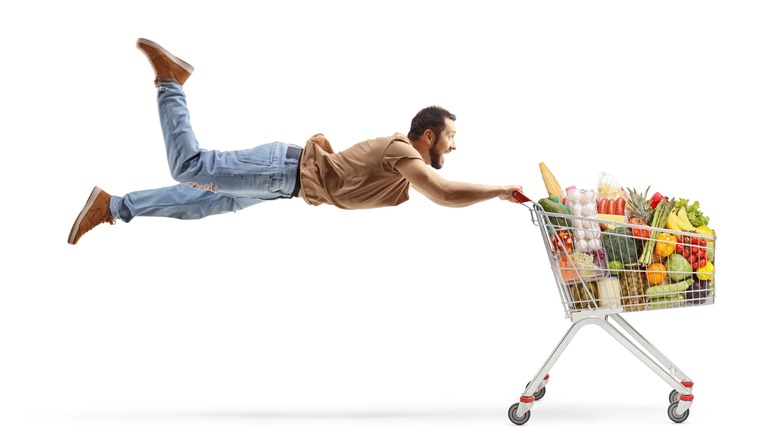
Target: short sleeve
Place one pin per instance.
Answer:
(396, 151)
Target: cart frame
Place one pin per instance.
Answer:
(681, 396)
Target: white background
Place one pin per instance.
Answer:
(290, 320)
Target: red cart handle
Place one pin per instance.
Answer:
(517, 194)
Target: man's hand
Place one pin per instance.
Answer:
(508, 194)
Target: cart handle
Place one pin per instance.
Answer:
(520, 196)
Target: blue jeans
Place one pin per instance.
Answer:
(211, 182)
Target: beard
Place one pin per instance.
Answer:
(437, 158)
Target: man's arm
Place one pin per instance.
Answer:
(450, 193)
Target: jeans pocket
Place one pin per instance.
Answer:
(263, 155)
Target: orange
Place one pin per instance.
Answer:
(656, 273)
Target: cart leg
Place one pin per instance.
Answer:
(686, 382)
(540, 379)
(641, 355)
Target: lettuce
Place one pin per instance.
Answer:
(695, 215)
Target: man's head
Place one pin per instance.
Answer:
(435, 127)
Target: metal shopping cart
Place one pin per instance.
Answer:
(610, 275)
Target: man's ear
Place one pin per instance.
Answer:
(428, 136)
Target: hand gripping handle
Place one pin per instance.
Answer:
(517, 194)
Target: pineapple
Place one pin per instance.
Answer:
(638, 205)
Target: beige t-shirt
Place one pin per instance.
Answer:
(362, 176)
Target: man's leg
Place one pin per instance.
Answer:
(181, 146)
(180, 201)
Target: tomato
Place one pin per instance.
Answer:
(637, 232)
(686, 252)
(678, 248)
(695, 241)
(701, 252)
(692, 259)
(695, 265)
(703, 260)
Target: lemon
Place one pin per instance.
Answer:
(705, 272)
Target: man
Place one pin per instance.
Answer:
(374, 173)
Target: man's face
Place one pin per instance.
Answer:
(443, 144)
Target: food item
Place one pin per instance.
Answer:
(610, 218)
(683, 217)
(674, 223)
(639, 233)
(566, 268)
(662, 211)
(637, 205)
(632, 288)
(612, 206)
(668, 289)
(698, 292)
(656, 273)
(555, 207)
(665, 245)
(587, 233)
(591, 263)
(619, 244)
(705, 272)
(694, 249)
(692, 212)
(656, 199)
(666, 301)
(609, 292)
(707, 231)
(599, 260)
(678, 268)
(583, 295)
(615, 266)
(550, 183)
(562, 241)
(608, 187)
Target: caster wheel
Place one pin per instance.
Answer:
(520, 420)
(538, 394)
(674, 396)
(672, 411)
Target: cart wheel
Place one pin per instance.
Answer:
(519, 420)
(672, 411)
(538, 394)
(674, 396)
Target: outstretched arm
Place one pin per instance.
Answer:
(450, 193)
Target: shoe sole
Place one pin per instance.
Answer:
(188, 68)
(92, 196)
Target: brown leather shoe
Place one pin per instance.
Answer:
(166, 66)
(94, 213)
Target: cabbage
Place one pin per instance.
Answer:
(678, 268)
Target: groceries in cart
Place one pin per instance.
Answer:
(627, 250)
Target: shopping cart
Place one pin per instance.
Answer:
(599, 281)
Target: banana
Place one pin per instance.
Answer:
(673, 222)
(684, 221)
